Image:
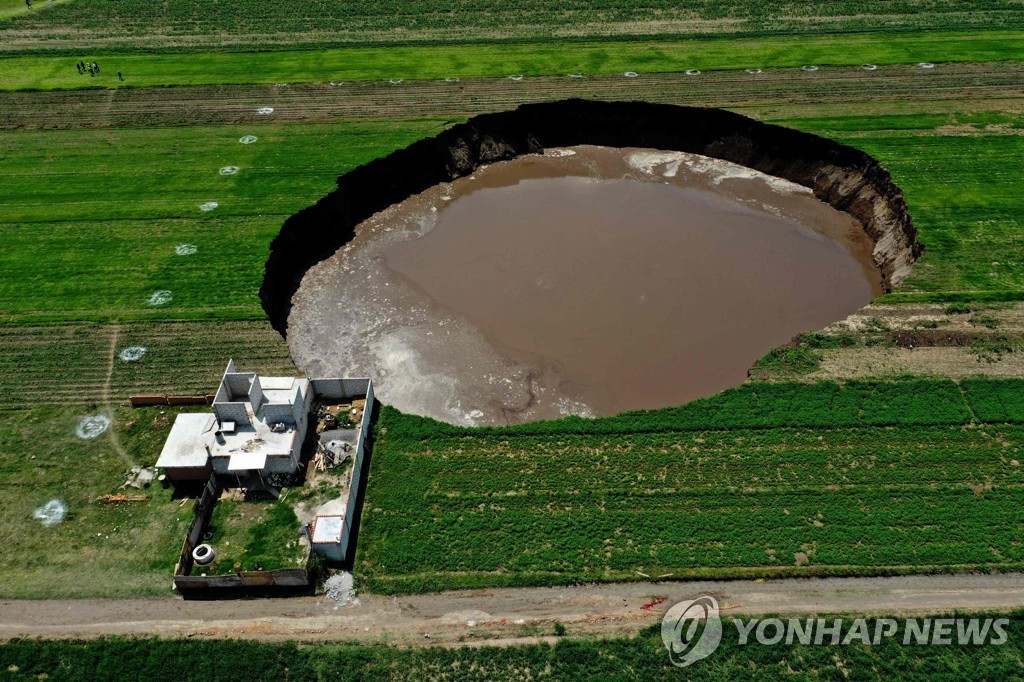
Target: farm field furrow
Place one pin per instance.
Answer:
(181, 358)
(137, 217)
(93, 218)
(505, 507)
(189, 24)
(892, 88)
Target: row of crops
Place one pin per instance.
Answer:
(233, 104)
(179, 358)
(555, 503)
(361, 21)
(636, 657)
(824, 404)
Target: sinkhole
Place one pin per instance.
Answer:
(582, 258)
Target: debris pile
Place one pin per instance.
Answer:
(340, 590)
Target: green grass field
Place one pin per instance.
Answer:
(760, 481)
(812, 478)
(640, 657)
(91, 219)
(188, 24)
(490, 61)
(111, 549)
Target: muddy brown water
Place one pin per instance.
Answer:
(584, 281)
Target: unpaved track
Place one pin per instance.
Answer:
(236, 104)
(594, 610)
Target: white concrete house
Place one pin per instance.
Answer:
(254, 435)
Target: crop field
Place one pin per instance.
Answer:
(488, 61)
(92, 219)
(134, 216)
(759, 481)
(187, 24)
(641, 657)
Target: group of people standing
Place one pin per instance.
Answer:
(92, 68)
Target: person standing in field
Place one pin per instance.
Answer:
(28, 3)
(120, 77)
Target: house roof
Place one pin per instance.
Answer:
(327, 529)
(186, 445)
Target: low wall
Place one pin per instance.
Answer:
(340, 389)
(202, 511)
(154, 400)
(289, 578)
(360, 463)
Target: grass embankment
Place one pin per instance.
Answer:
(641, 657)
(764, 480)
(496, 61)
(192, 24)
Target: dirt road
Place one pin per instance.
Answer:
(501, 616)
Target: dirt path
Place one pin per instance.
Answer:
(106, 399)
(501, 616)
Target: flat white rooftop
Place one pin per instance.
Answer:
(248, 443)
(186, 445)
(327, 529)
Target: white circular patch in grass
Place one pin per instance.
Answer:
(869, 67)
(208, 206)
(185, 249)
(247, 139)
(451, 80)
(160, 297)
(693, 72)
(336, 83)
(925, 65)
(265, 111)
(280, 85)
(229, 170)
(92, 426)
(396, 81)
(754, 72)
(631, 74)
(810, 67)
(51, 513)
(517, 77)
(132, 353)
(575, 75)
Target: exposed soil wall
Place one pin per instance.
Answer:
(848, 179)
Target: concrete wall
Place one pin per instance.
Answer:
(255, 393)
(339, 389)
(279, 412)
(239, 383)
(234, 412)
(359, 466)
(202, 510)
